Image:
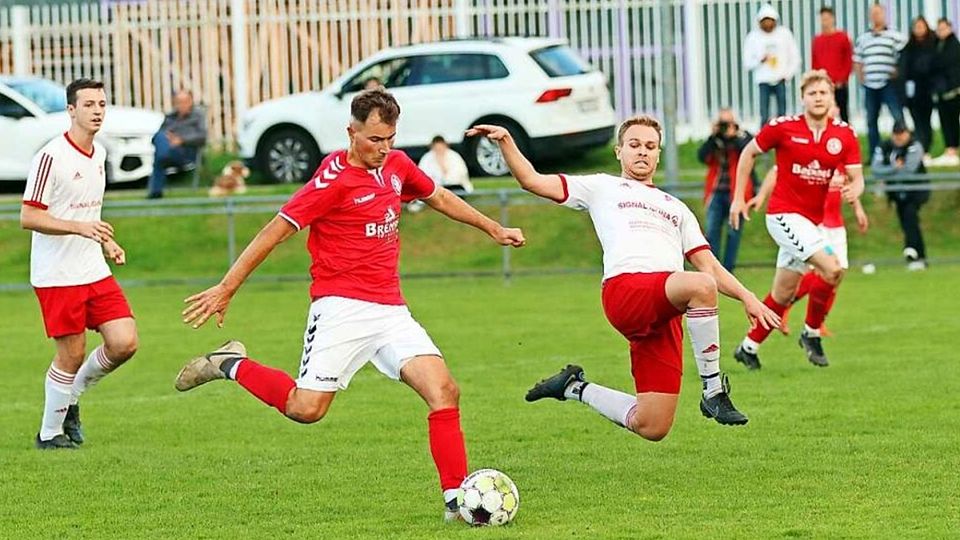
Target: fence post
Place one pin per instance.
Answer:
(461, 14)
(231, 233)
(20, 23)
(695, 88)
(238, 41)
(669, 78)
(505, 221)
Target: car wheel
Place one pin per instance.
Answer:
(289, 156)
(484, 155)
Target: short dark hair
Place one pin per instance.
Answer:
(378, 100)
(827, 9)
(81, 84)
(945, 21)
(438, 139)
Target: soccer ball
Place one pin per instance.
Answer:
(488, 497)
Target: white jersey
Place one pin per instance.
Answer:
(69, 184)
(640, 227)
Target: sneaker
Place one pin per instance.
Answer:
(58, 442)
(814, 349)
(71, 425)
(206, 368)
(945, 160)
(555, 386)
(721, 409)
(747, 358)
(917, 266)
(451, 511)
(910, 254)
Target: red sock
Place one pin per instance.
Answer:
(821, 300)
(805, 285)
(269, 385)
(447, 447)
(758, 333)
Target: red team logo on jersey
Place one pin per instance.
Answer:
(834, 146)
(396, 183)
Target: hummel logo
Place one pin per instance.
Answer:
(365, 198)
(800, 140)
(712, 348)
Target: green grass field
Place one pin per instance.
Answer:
(866, 448)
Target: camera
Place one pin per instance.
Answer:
(723, 127)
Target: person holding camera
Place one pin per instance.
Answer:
(721, 153)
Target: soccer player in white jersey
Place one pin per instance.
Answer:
(352, 208)
(68, 270)
(811, 148)
(645, 234)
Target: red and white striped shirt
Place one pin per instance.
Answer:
(68, 183)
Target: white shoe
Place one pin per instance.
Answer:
(910, 254)
(206, 368)
(916, 266)
(946, 160)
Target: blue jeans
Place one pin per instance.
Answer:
(873, 99)
(167, 156)
(779, 92)
(718, 214)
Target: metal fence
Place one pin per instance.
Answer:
(237, 53)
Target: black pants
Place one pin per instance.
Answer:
(908, 211)
(950, 121)
(842, 96)
(921, 108)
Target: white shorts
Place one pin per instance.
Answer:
(836, 239)
(343, 334)
(798, 239)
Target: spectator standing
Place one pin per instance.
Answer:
(917, 66)
(947, 89)
(180, 138)
(832, 51)
(772, 54)
(875, 62)
(902, 156)
(721, 153)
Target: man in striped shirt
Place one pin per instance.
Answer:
(875, 59)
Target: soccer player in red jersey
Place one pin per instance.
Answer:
(358, 315)
(810, 149)
(646, 234)
(68, 268)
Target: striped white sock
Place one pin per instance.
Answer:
(616, 406)
(93, 369)
(704, 327)
(57, 398)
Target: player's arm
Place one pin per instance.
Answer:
(115, 253)
(758, 313)
(766, 188)
(863, 221)
(738, 207)
(854, 187)
(549, 186)
(216, 299)
(34, 218)
(457, 209)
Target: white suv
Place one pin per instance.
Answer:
(550, 99)
(33, 111)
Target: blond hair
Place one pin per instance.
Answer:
(638, 120)
(815, 76)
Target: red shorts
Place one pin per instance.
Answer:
(637, 306)
(72, 309)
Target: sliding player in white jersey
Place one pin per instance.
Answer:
(61, 205)
(645, 234)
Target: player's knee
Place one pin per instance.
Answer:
(447, 395)
(705, 287)
(656, 434)
(307, 413)
(833, 276)
(123, 349)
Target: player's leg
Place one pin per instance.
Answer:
(58, 390)
(696, 294)
(803, 289)
(785, 283)
(829, 274)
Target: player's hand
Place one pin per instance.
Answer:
(509, 237)
(113, 251)
(863, 222)
(738, 210)
(494, 133)
(755, 203)
(851, 193)
(759, 313)
(202, 306)
(98, 231)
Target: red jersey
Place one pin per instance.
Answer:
(806, 162)
(354, 217)
(832, 214)
(834, 53)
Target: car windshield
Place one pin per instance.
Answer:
(560, 61)
(48, 95)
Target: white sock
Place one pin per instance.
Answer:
(450, 494)
(93, 369)
(750, 345)
(813, 332)
(612, 404)
(58, 389)
(704, 327)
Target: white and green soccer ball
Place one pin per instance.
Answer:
(488, 497)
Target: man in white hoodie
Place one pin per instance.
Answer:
(772, 54)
